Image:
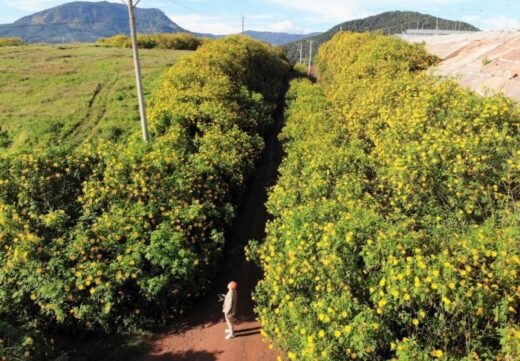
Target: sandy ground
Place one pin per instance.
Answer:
(486, 62)
(200, 336)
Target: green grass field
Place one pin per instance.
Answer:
(61, 95)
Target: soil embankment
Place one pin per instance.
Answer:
(483, 61)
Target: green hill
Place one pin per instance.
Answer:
(82, 21)
(61, 95)
(389, 23)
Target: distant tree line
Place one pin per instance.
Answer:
(176, 41)
(11, 41)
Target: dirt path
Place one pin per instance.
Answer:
(200, 336)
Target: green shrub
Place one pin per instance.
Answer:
(395, 219)
(111, 235)
(5, 140)
(118, 41)
(11, 41)
(23, 343)
(176, 41)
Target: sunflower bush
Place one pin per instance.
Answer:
(113, 235)
(175, 41)
(11, 41)
(395, 219)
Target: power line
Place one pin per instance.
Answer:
(187, 7)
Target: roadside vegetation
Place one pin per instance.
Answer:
(11, 42)
(395, 230)
(177, 41)
(111, 236)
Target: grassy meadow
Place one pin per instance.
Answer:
(61, 95)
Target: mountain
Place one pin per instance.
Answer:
(266, 36)
(82, 21)
(392, 22)
(86, 22)
(277, 38)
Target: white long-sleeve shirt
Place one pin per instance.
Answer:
(230, 302)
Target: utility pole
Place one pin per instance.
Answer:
(301, 53)
(509, 13)
(437, 27)
(310, 58)
(243, 24)
(137, 65)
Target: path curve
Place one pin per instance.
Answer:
(200, 336)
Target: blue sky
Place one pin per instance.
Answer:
(296, 16)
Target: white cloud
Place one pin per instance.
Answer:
(321, 11)
(7, 20)
(335, 11)
(500, 23)
(415, 2)
(208, 24)
(284, 26)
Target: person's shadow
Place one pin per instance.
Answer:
(186, 356)
(247, 331)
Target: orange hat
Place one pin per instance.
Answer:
(233, 285)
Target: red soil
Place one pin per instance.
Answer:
(206, 343)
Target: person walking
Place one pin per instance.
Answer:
(229, 309)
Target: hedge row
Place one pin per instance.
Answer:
(11, 41)
(176, 41)
(395, 228)
(114, 235)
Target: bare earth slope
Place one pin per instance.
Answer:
(482, 61)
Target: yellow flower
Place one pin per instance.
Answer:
(437, 353)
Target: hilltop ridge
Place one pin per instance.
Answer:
(390, 22)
